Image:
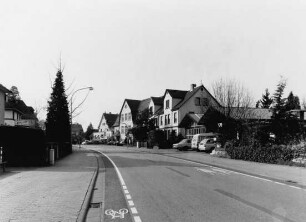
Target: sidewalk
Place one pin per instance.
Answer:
(282, 173)
(54, 193)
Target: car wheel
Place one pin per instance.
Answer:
(185, 148)
(198, 150)
(179, 149)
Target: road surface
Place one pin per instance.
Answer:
(163, 188)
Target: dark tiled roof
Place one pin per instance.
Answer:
(158, 100)
(26, 111)
(117, 122)
(178, 94)
(3, 89)
(133, 104)
(189, 95)
(144, 104)
(160, 111)
(110, 118)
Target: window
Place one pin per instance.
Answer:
(167, 104)
(151, 110)
(175, 118)
(197, 101)
(122, 117)
(130, 116)
(201, 101)
(168, 118)
(125, 116)
(166, 122)
(122, 129)
(161, 120)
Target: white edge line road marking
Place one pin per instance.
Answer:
(137, 219)
(124, 187)
(237, 173)
(134, 210)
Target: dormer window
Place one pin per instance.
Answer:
(167, 104)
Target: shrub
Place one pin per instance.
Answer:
(263, 154)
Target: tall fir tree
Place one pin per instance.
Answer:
(266, 100)
(58, 128)
(278, 108)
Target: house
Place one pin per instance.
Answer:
(3, 92)
(128, 114)
(183, 110)
(106, 125)
(17, 113)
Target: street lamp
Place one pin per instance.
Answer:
(90, 88)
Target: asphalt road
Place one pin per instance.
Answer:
(163, 188)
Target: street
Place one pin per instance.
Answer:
(161, 187)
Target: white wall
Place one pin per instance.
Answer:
(127, 121)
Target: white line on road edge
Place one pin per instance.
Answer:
(124, 188)
(137, 219)
(256, 177)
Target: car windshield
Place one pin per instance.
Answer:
(184, 141)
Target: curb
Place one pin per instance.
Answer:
(85, 205)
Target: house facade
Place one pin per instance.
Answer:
(128, 114)
(183, 111)
(3, 92)
(106, 126)
(17, 113)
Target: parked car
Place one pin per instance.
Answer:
(185, 144)
(197, 138)
(209, 144)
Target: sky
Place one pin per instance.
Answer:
(138, 48)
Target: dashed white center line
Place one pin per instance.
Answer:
(128, 197)
(131, 203)
(126, 191)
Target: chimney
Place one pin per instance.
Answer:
(192, 86)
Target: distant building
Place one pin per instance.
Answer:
(106, 126)
(17, 113)
(128, 113)
(77, 133)
(3, 92)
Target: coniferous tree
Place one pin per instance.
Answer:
(89, 131)
(279, 109)
(266, 100)
(58, 128)
(293, 102)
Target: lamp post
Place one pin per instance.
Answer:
(90, 88)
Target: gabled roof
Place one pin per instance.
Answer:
(178, 94)
(144, 104)
(117, 122)
(189, 95)
(136, 106)
(190, 118)
(158, 100)
(109, 118)
(3, 89)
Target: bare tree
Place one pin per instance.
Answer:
(235, 99)
(304, 103)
